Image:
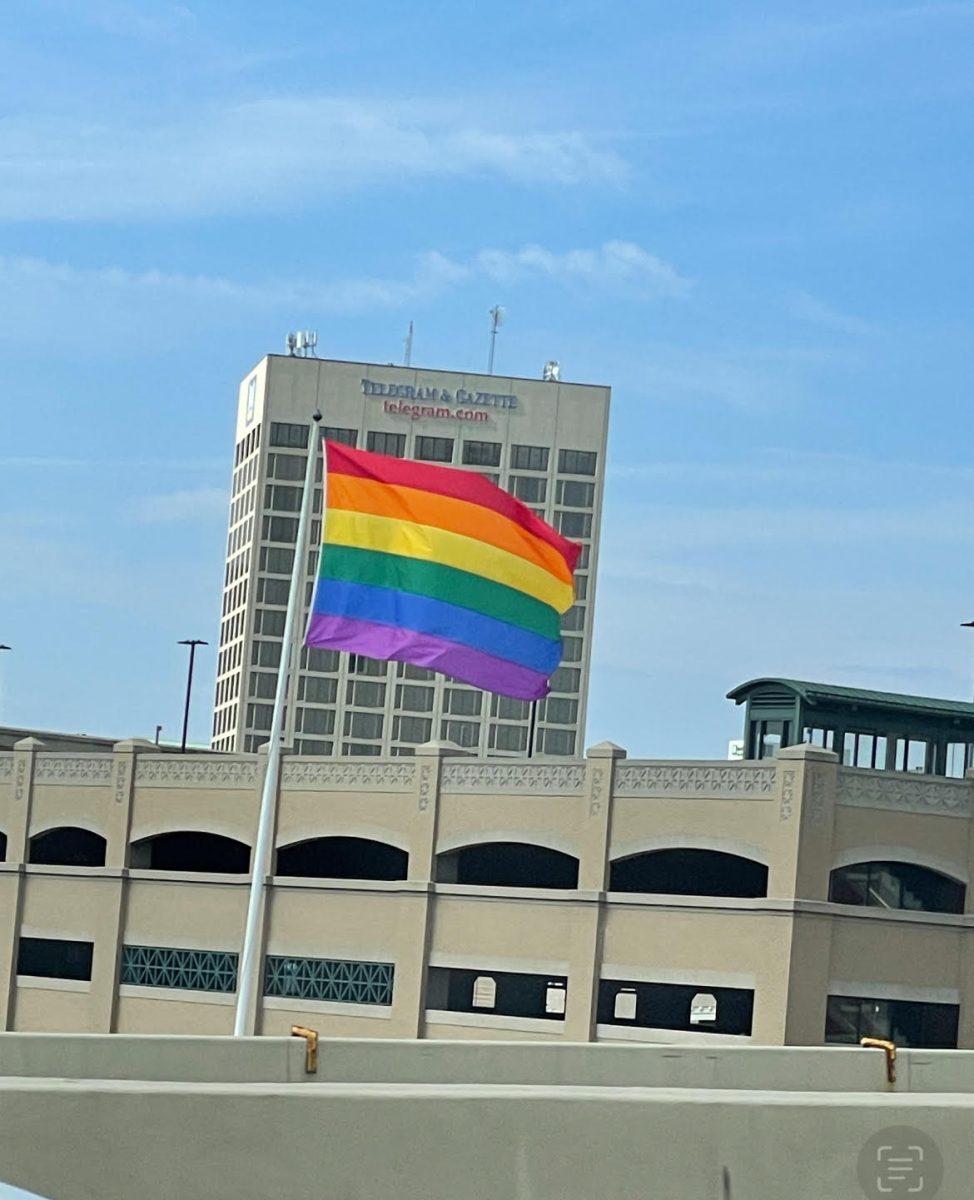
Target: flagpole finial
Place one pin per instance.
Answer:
(316, 417)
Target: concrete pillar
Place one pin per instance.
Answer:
(585, 966)
(112, 888)
(790, 1004)
(12, 878)
(417, 911)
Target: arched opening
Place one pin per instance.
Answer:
(508, 864)
(342, 858)
(67, 847)
(896, 885)
(689, 872)
(191, 850)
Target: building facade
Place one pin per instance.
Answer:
(542, 440)
(785, 902)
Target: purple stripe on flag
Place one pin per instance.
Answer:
(424, 650)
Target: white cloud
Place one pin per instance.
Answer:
(38, 286)
(817, 312)
(192, 504)
(272, 154)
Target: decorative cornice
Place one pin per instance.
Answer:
(703, 779)
(6, 766)
(175, 770)
(348, 775)
(859, 788)
(90, 770)
(526, 778)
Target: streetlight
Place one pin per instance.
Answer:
(192, 643)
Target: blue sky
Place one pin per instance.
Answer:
(752, 220)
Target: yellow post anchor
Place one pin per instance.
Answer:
(889, 1049)
(311, 1050)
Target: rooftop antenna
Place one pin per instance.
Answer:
(408, 357)
(302, 343)
(496, 321)
(551, 372)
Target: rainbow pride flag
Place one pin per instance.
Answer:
(440, 568)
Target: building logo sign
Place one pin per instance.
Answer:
(405, 400)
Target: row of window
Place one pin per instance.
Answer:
(287, 435)
(246, 446)
(634, 1003)
(675, 871)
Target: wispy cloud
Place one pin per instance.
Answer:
(617, 267)
(817, 312)
(268, 155)
(191, 504)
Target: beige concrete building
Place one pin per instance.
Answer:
(245, 1119)
(543, 440)
(783, 902)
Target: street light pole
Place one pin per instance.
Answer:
(192, 643)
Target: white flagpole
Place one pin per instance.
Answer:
(249, 980)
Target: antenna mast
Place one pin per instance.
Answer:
(496, 321)
(408, 357)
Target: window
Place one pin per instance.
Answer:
(67, 847)
(509, 737)
(508, 864)
(529, 488)
(358, 664)
(576, 462)
(336, 433)
(408, 671)
(269, 621)
(462, 733)
(505, 993)
(282, 498)
(824, 738)
(896, 885)
(572, 649)
(318, 691)
(414, 730)
(312, 746)
(574, 619)
(912, 754)
(262, 685)
(905, 1022)
(54, 958)
(575, 494)
(280, 529)
(529, 458)
(767, 738)
(273, 591)
(463, 703)
(960, 757)
(360, 749)
(387, 443)
(191, 851)
(434, 449)
(481, 454)
(266, 654)
(675, 1006)
(864, 750)
(259, 716)
(689, 872)
(557, 741)
(316, 720)
(285, 434)
(416, 699)
(560, 712)
(197, 970)
(286, 466)
(566, 679)
(363, 725)
(338, 980)
(342, 858)
(365, 693)
(574, 524)
(582, 565)
(510, 709)
(315, 659)
(277, 561)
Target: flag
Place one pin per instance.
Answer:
(440, 568)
